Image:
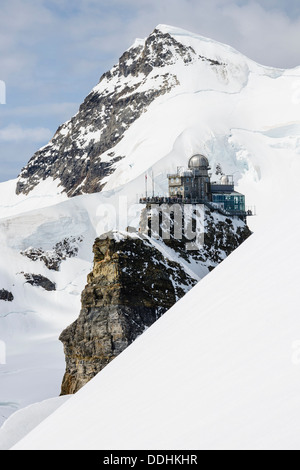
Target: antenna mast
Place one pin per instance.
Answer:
(152, 184)
(146, 185)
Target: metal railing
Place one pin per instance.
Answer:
(211, 205)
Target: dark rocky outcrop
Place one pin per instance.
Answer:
(67, 248)
(6, 295)
(38, 280)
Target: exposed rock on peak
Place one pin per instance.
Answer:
(80, 154)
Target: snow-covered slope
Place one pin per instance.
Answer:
(30, 324)
(26, 419)
(219, 371)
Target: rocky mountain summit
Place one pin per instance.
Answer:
(84, 151)
(81, 152)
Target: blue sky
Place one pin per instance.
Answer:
(53, 52)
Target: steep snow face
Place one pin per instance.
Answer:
(45, 194)
(220, 370)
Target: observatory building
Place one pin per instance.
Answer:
(194, 185)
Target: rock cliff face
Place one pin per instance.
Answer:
(134, 281)
(130, 287)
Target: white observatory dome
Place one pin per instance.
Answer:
(198, 162)
(225, 180)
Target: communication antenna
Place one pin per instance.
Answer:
(146, 185)
(152, 184)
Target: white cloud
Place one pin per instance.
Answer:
(14, 133)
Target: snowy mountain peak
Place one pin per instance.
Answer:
(171, 94)
(86, 150)
(81, 152)
(212, 48)
(183, 35)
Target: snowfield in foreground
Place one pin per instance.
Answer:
(26, 419)
(220, 370)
